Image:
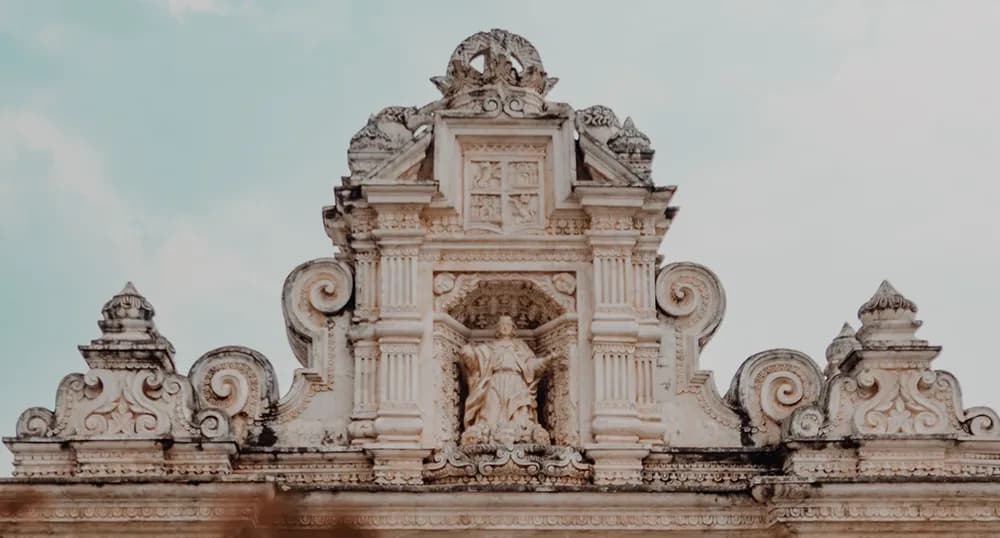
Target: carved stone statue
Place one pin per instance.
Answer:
(503, 376)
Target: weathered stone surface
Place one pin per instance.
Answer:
(496, 347)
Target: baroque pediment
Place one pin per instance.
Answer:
(497, 317)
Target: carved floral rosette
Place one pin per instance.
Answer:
(508, 465)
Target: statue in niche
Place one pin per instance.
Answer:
(503, 377)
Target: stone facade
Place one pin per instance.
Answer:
(584, 411)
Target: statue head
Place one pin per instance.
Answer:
(505, 327)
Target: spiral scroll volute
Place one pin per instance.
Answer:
(692, 295)
(769, 387)
(35, 422)
(314, 292)
(238, 382)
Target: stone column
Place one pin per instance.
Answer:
(366, 258)
(362, 427)
(397, 452)
(614, 328)
(644, 262)
(616, 427)
(399, 331)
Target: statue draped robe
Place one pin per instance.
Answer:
(503, 378)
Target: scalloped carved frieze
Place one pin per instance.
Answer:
(477, 299)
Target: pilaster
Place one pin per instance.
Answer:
(366, 267)
(614, 333)
(398, 421)
(644, 262)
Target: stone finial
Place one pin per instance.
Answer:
(128, 335)
(630, 140)
(886, 298)
(599, 121)
(633, 148)
(842, 345)
(128, 316)
(888, 317)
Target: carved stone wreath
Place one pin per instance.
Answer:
(507, 59)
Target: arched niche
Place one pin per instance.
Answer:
(543, 306)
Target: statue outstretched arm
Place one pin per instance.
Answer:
(537, 365)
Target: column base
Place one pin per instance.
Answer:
(397, 465)
(362, 431)
(616, 427)
(617, 464)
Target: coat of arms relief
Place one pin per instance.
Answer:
(504, 186)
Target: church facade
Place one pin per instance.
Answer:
(496, 347)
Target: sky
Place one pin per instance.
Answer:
(188, 146)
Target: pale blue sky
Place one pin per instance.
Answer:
(188, 145)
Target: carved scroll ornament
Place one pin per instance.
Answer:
(314, 292)
(239, 382)
(692, 295)
(769, 387)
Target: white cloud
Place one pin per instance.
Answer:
(77, 172)
(214, 277)
(51, 37)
